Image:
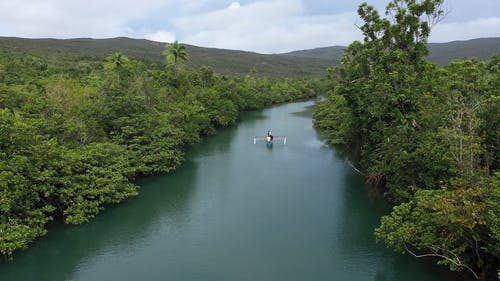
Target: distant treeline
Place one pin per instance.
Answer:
(225, 62)
(305, 63)
(428, 136)
(74, 136)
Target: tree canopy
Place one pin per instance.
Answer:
(175, 54)
(73, 137)
(426, 136)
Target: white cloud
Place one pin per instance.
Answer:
(161, 36)
(482, 27)
(234, 5)
(266, 27)
(190, 6)
(62, 18)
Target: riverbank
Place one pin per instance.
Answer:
(233, 211)
(74, 140)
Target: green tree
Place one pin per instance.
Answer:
(175, 54)
(446, 224)
(381, 81)
(116, 62)
(2, 72)
(425, 135)
(207, 76)
(74, 134)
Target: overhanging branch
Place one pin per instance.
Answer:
(456, 262)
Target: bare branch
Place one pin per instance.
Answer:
(435, 19)
(352, 166)
(435, 254)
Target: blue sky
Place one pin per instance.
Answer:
(264, 26)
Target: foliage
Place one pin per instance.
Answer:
(82, 52)
(175, 54)
(448, 223)
(77, 54)
(440, 53)
(74, 137)
(427, 136)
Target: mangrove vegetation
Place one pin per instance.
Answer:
(427, 136)
(75, 135)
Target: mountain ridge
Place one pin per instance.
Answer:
(301, 63)
(440, 53)
(223, 61)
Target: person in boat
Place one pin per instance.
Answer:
(269, 137)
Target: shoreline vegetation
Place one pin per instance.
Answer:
(427, 136)
(75, 135)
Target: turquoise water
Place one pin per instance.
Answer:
(233, 211)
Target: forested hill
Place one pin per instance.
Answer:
(482, 49)
(440, 53)
(330, 53)
(227, 62)
(305, 63)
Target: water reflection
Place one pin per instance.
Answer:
(234, 211)
(306, 112)
(220, 143)
(120, 228)
(250, 116)
(360, 215)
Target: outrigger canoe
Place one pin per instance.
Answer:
(281, 139)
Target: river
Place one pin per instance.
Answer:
(234, 211)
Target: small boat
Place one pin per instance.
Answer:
(269, 139)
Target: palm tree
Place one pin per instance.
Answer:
(175, 53)
(116, 61)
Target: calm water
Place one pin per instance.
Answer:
(233, 211)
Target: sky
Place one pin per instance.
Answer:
(263, 26)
